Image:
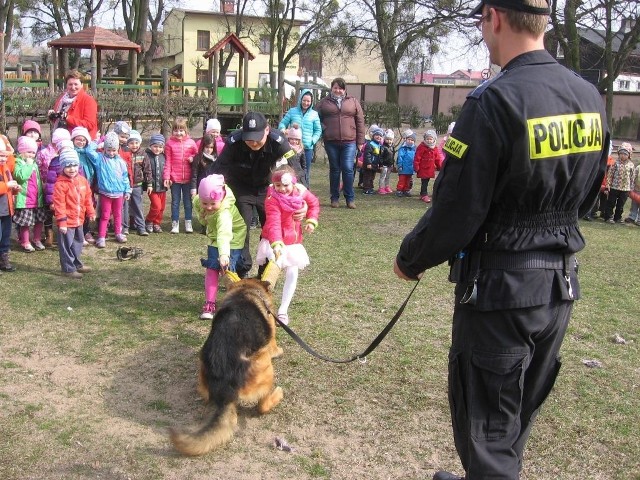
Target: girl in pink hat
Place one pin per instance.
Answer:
(29, 204)
(282, 234)
(31, 128)
(215, 207)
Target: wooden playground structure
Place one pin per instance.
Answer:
(228, 104)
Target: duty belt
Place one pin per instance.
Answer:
(525, 260)
(484, 260)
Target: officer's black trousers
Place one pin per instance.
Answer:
(502, 366)
(245, 203)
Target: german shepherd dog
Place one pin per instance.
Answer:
(235, 366)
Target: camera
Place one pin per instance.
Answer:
(55, 115)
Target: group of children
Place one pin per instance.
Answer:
(379, 155)
(77, 180)
(621, 181)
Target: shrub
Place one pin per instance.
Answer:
(391, 115)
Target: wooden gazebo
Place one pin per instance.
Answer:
(213, 55)
(95, 39)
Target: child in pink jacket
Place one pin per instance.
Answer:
(179, 152)
(282, 235)
(428, 158)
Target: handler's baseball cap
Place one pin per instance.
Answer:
(253, 126)
(517, 5)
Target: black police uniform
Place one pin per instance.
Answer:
(524, 162)
(248, 174)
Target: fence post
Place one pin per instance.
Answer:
(165, 81)
(165, 102)
(19, 71)
(35, 71)
(52, 83)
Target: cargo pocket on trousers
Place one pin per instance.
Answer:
(497, 383)
(457, 400)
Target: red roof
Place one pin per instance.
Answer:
(95, 37)
(229, 38)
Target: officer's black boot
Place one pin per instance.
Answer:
(446, 476)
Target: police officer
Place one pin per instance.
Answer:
(523, 163)
(246, 162)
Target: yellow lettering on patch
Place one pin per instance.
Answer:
(455, 147)
(564, 135)
(289, 154)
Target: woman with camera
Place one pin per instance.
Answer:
(75, 107)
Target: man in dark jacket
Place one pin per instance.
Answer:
(524, 162)
(246, 162)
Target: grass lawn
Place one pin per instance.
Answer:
(92, 372)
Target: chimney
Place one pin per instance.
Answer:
(228, 6)
(627, 24)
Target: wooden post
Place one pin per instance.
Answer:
(165, 103)
(94, 73)
(99, 64)
(245, 86)
(134, 67)
(52, 82)
(19, 71)
(53, 67)
(165, 81)
(214, 80)
(64, 67)
(35, 71)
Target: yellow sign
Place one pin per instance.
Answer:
(564, 135)
(455, 147)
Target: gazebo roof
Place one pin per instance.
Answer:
(95, 37)
(236, 44)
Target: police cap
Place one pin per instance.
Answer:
(517, 5)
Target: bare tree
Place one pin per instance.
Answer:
(403, 26)
(612, 31)
(155, 14)
(234, 22)
(289, 36)
(7, 20)
(57, 19)
(136, 17)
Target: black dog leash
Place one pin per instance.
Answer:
(362, 356)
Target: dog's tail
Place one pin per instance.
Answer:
(216, 432)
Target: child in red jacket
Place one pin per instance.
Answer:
(282, 235)
(428, 159)
(72, 200)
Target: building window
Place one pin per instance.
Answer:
(203, 40)
(202, 76)
(264, 80)
(624, 84)
(230, 80)
(265, 44)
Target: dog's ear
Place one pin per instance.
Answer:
(267, 286)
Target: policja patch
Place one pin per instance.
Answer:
(562, 135)
(455, 147)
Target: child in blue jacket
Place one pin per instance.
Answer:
(406, 154)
